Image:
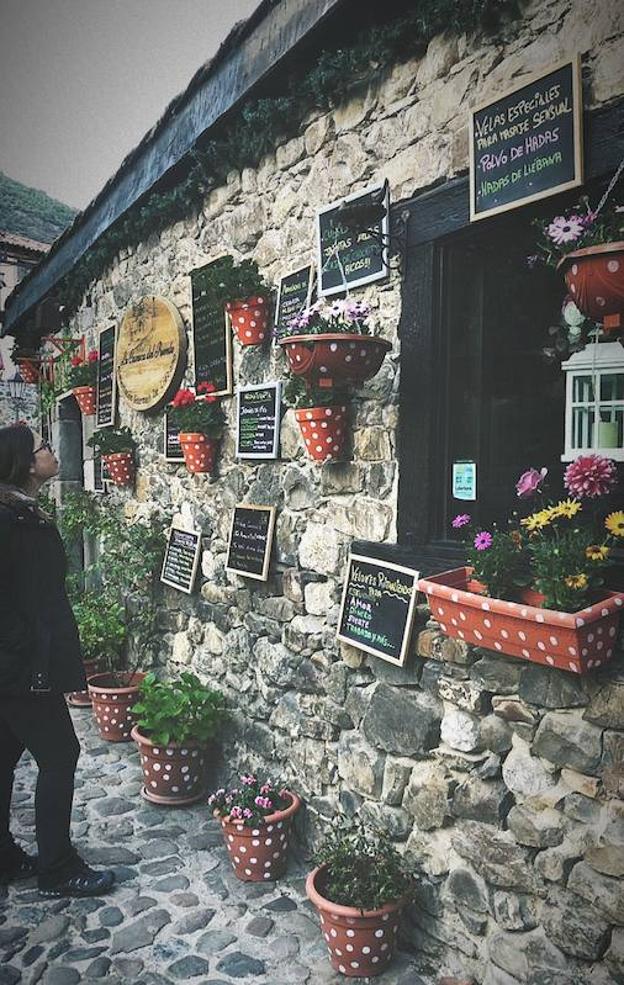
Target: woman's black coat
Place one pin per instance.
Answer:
(39, 644)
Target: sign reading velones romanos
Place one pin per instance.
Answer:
(151, 353)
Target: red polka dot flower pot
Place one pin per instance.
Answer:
(82, 699)
(199, 451)
(594, 277)
(85, 398)
(259, 853)
(174, 773)
(323, 430)
(30, 369)
(335, 358)
(112, 701)
(119, 467)
(250, 319)
(573, 641)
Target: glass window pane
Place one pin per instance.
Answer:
(582, 427)
(612, 386)
(582, 389)
(611, 428)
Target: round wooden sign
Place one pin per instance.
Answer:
(151, 353)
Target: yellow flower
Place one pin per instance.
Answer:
(615, 523)
(576, 581)
(567, 508)
(537, 520)
(597, 552)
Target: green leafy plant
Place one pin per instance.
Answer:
(298, 394)
(102, 627)
(108, 441)
(83, 372)
(238, 281)
(364, 870)
(201, 413)
(179, 711)
(250, 802)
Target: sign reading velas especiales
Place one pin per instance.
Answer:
(377, 610)
(527, 144)
(181, 559)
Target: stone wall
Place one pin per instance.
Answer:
(496, 777)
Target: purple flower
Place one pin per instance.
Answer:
(461, 520)
(263, 802)
(483, 540)
(529, 482)
(562, 230)
(247, 812)
(248, 780)
(236, 812)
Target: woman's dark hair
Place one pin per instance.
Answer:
(17, 446)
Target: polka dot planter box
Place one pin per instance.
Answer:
(578, 641)
(334, 357)
(260, 854)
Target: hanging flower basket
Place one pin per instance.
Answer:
(573, 641)
(82, 699)
(198, 450)
(324, 431)
(335, 358)
(249, 318)
(594, 277)
(120, 467)
(85, 397)
(173, 773)
(112, 703)
(260, 853)
(30, 369)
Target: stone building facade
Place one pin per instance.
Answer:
(500, 779)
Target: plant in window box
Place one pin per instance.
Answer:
(256, 817)
(539, 591)
(201, 421)
(247, 300)
(321, 413)
(102, 630)
(175, 722)
(332, 343)
(359, 887)
(117, 447)
(83, 379)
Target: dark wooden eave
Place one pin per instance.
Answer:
(251, 51)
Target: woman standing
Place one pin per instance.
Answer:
(39, 661)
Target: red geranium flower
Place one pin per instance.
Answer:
(76, 361)
(183, 398)
(92, 356)
(207, 388)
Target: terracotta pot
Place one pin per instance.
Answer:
(335, 358)
(324, 431)
(174, 774)
(120, 467)
(85, 397)
(198, 450)
(30, 369)
(360, 944)
(576, 641)
(595, 279)
(112, 704)
(250, 318)
(82, 699)
(260, 854)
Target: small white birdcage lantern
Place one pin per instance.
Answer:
(594, 413)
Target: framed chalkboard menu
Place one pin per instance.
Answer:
(293, 296)
(377, 610)
(212, 335)
(527, 144)
(251, 539)
(181, 559)
(106, 391)
(258, 420)
(350, 256)
(171, 441)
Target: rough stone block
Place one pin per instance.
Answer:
(495, 855)
(513, 911)
(396, 777)
(576, 927)
(466, 888)
(319, 549)
(607, 859)
(566, 740)
(604, 892)
(460, 730)
(526, 775)
(536, 828)
(427, 795)
(493, 673)
(606, 707)
(523, 954)
(496, 734)
(464, 694)
(402, 722)
(360, 765)
(481, 800)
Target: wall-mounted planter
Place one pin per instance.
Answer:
(30, 369)
(198, 450)
(260, 854)
(85, 398)
(112, 703)
(573, 641)
(323, 430)
(250, 319)
(120, 467)
(173, 774)
(595, 279)
(335, 358)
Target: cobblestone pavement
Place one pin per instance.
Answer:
(177, 912)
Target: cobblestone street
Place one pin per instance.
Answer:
(177, 912)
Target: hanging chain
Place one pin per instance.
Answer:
(612, 184)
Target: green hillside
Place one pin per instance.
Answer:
(31, 213)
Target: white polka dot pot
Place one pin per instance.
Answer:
(595, 280)
(260, 853)
(359, 944)
(574, 641)
(199, 451)
(112, 703)
(324, 430)
(250, 319)
(173, 775)
(119, 467)
(82, 699)
(334, 357)
(30, 369)
(85, 398)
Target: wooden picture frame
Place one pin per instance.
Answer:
(276, 386)
(109, 420)
(197, 534)
(264, 574)
(381, 274)
(228, 350)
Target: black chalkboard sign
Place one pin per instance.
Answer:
(293, 296)
(528, 144)
(347, 256)
(377, 608)
(258, 421)
(212, 336)
(171, 441)
(181, 559)
(106, 391)
(251, 539)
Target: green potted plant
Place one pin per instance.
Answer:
(247, 300)
(117, 447)
(175, 722)
(200, 420)
(102, 630)
(321, 413)
(359, 887)
(256, 817)
(83, 379)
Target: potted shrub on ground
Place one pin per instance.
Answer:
(102, 631)
(359, 888)
(201, 421)
(117, 447)
(82, 380)
(256, 817)
(322, 417)
(175, 722)
(247, 301)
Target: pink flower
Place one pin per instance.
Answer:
(529, 482)
(92, 356)
(483, 540)
(265, 788)
(590, 476)
(247, 812)
(263, 802)
(461, 520)
(248, 780)
(236, 812)
(562, 230)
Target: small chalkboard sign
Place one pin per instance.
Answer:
(106, 390)
(171, 441)
(527, 144)
(293, 296)
(258, 421)
(251, 539)
(212, 336)
(377, 609)
(349, 257)
(181, 559)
